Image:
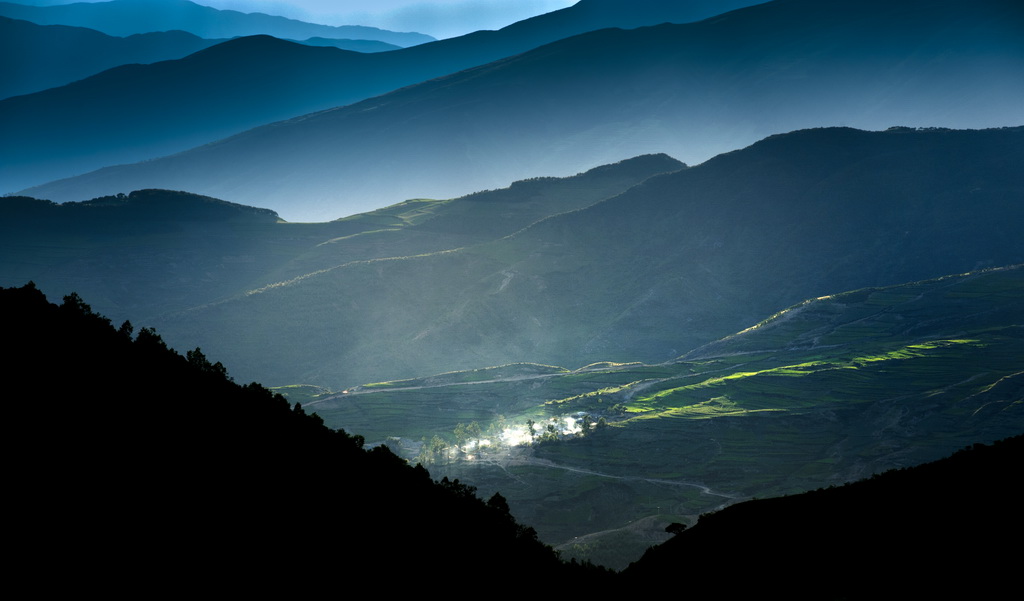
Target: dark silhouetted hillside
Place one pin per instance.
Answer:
(947, 529)
(132, 465)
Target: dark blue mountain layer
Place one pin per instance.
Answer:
(127, 17)
(36, 57)
(355, 45)
(142, 113)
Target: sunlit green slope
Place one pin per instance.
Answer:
(832, 389)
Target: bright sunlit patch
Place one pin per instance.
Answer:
(515, 436)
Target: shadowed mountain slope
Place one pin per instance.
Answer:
(689, 90)
(674, 263)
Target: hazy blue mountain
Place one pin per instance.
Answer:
(691, 90)
(354, 45)
(140, 114)
(127, 17)
(584, 16)
(36, 57)
(674, 263)
(138, 111)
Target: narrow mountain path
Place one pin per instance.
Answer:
(548, 464)
(360, 390)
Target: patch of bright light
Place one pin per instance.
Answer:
(515, 436)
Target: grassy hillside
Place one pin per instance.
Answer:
(831, 390)
(154, 251)
(667, 266)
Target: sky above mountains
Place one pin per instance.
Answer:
(439, 18)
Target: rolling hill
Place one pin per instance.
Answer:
(671, 264)
(154, 251)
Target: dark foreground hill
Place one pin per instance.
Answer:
(948, 529)
(129, 465)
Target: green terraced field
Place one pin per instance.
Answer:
(838, 388)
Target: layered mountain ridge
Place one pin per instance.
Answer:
(646, 273)
(128, 17)
(673, 263)
(144, 112)
(691, 91)
(35, 57)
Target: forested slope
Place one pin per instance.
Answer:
(128, 463)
